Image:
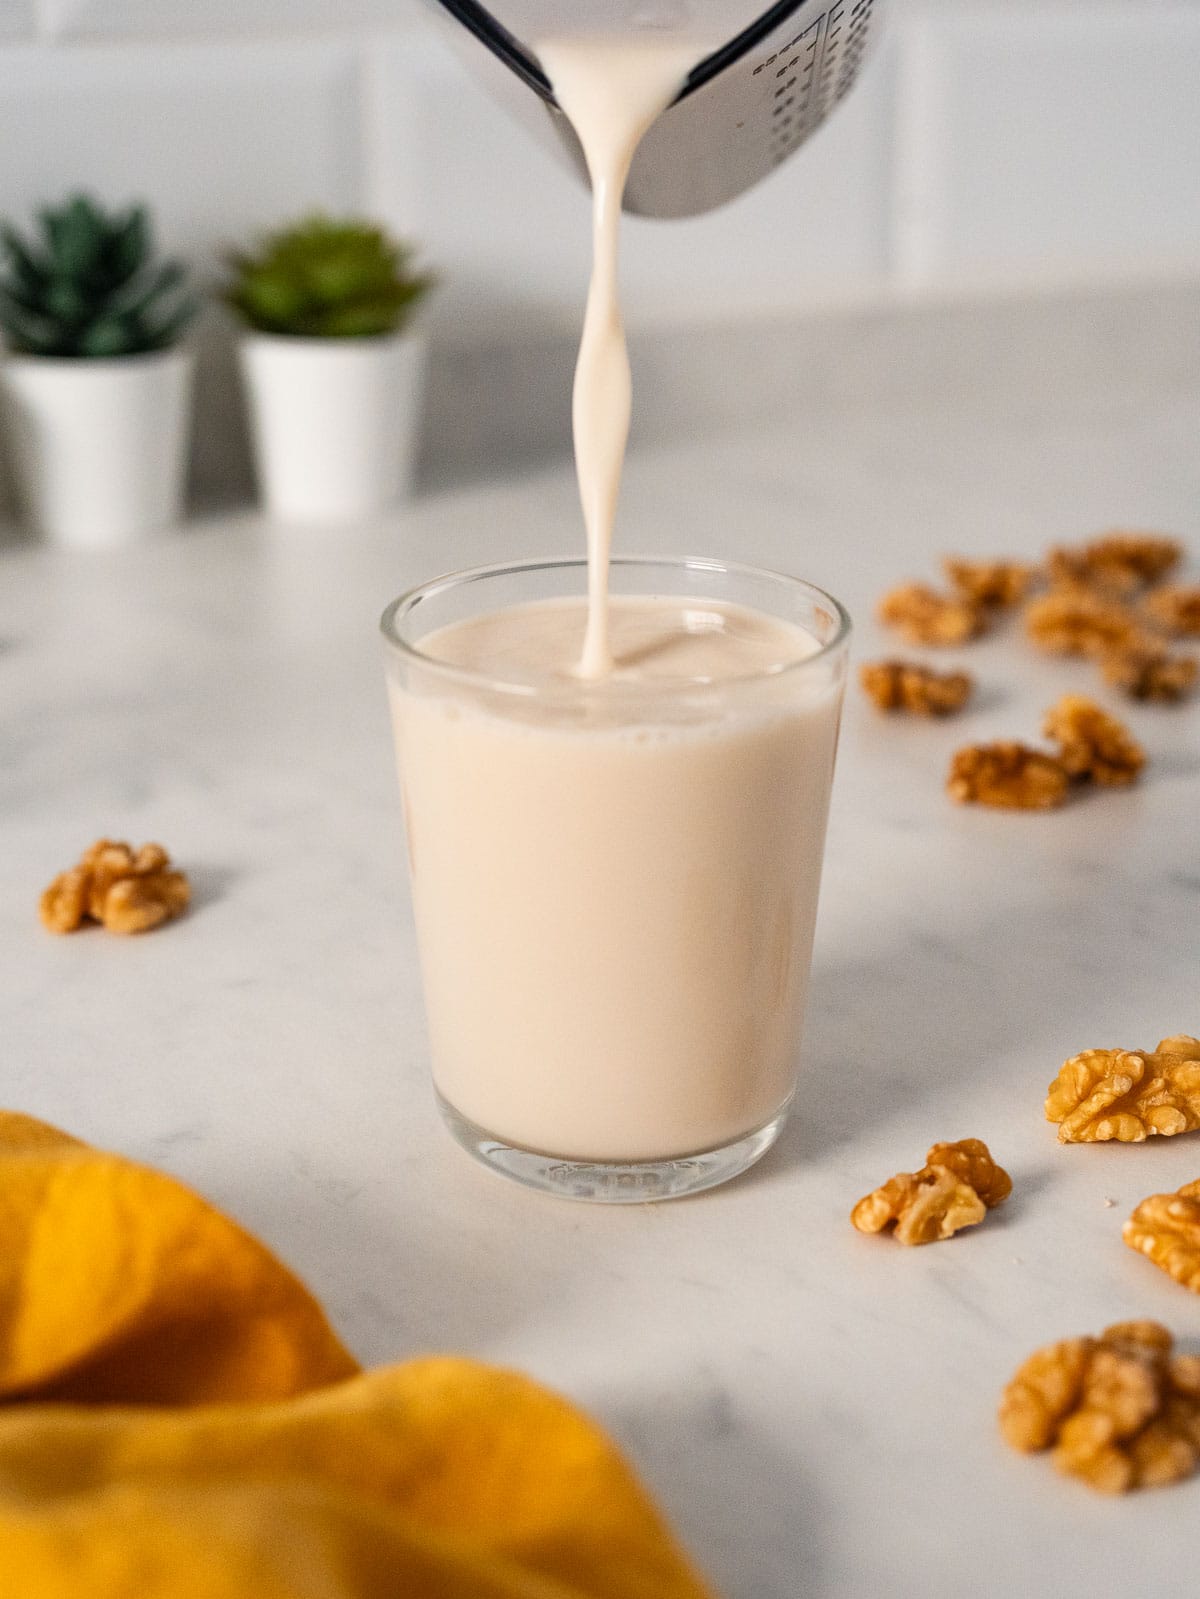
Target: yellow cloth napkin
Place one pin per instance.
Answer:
(116, 1282)
(182, 1423)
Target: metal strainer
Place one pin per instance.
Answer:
(745, 107)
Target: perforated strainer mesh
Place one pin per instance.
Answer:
(811, 71)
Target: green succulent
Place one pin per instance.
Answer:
(88, 285)
(327, 280)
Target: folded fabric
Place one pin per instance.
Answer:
(136, 1307)
(117, 1282)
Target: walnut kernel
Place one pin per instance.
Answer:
(956, 1187)
(989, 583)
(924, 616)
(1126, 1095)
(1166, 1229)
(908, 686)
(1119, 1412)
(1008, 775)
(1093, 744)
(109, 864)
(127, 891)
(1079, 622)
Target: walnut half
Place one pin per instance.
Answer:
(908, 686)
(1127, 1095)
(1118, 1410)
(1166, 1229)
(126, 890)
(1009, 775)
(924, 616)
(956, 1187)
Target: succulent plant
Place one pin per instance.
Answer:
(326, 279)
(89, 285)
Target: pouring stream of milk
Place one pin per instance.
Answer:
(611, 90)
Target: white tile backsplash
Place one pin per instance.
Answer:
(990, 138)
(990, 141)
(219, 139)
(112, 19)
(1053, 143)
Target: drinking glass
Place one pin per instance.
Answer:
(615, 881)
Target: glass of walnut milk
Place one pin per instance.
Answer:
(615, 876)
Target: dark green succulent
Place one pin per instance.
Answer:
(327, 280)
(88, 285)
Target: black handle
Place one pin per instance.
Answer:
(500, 42)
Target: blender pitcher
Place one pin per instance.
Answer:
(746, 105)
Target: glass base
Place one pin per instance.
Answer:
(636, 1182)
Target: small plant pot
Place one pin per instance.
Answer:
(98, 448)
(333, 422)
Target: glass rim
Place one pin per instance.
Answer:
(395, 613)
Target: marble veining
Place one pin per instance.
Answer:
(814, 1409)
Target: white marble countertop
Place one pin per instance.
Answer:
(815, 1409)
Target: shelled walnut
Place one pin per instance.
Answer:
(909, 686)
(1147, 670)
(1119, 1411)
(1079, 622)
(1127, 1095)
(1009, 775)
(1093, 744)
(1121, 562)
(127, 891)
(924, 616)
(958, 1184)
(1175, 608)
(1166, 1229)
(989, 583)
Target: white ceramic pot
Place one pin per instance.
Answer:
(98, 448)
(334, 422)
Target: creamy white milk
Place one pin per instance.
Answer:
(611, 90)
(615, 910)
